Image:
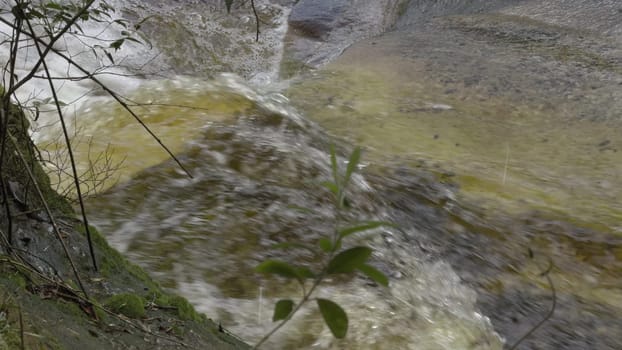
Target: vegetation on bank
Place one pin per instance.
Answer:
(42, 303)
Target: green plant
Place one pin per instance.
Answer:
(336, 259)
(130, 305)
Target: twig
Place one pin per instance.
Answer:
(291, 314)
(260, 304)
(256, 20)
(69, 150)
(49, 213)
(7, 208)
(548, 315)
(43, 260)
(48, 46)
(21, 328)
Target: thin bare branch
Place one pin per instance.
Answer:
(256, 20)
(113, 94)
(69, 150)
(48, 212)
(48, 46)
(548, 315)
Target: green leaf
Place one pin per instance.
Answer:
(228, 4)
(333, 165)
(344, 232)
(374, 274)
(34, 14)
(129, 38)
(348, 260)
(334, 317)
(116, 45)
(280, 268)
(352, 164)
(54, 6)
(304, 272)
(326, 244)
(109, 56)
(123, 23)
(142, 21)
(282, 309)
(332, 187)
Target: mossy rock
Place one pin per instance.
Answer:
(130, 305)
(112, 263)
(18, 128)
(185, 310)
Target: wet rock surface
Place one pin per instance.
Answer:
(316, 19)
(320, 30)
(491, 254)
(251, 180)
(201, 38)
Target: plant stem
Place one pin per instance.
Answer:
(74, 170)
(338, 202)
(291, 314)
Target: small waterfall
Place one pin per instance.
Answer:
(177, 44)
(203, 237)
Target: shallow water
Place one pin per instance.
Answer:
(510, 125)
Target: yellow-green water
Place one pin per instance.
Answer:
(177, 111)
(525, 155)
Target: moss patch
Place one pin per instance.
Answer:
(130, 305)
(112, 263)
(18, 127)
(185, 310)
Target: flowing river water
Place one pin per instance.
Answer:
(489, 129)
